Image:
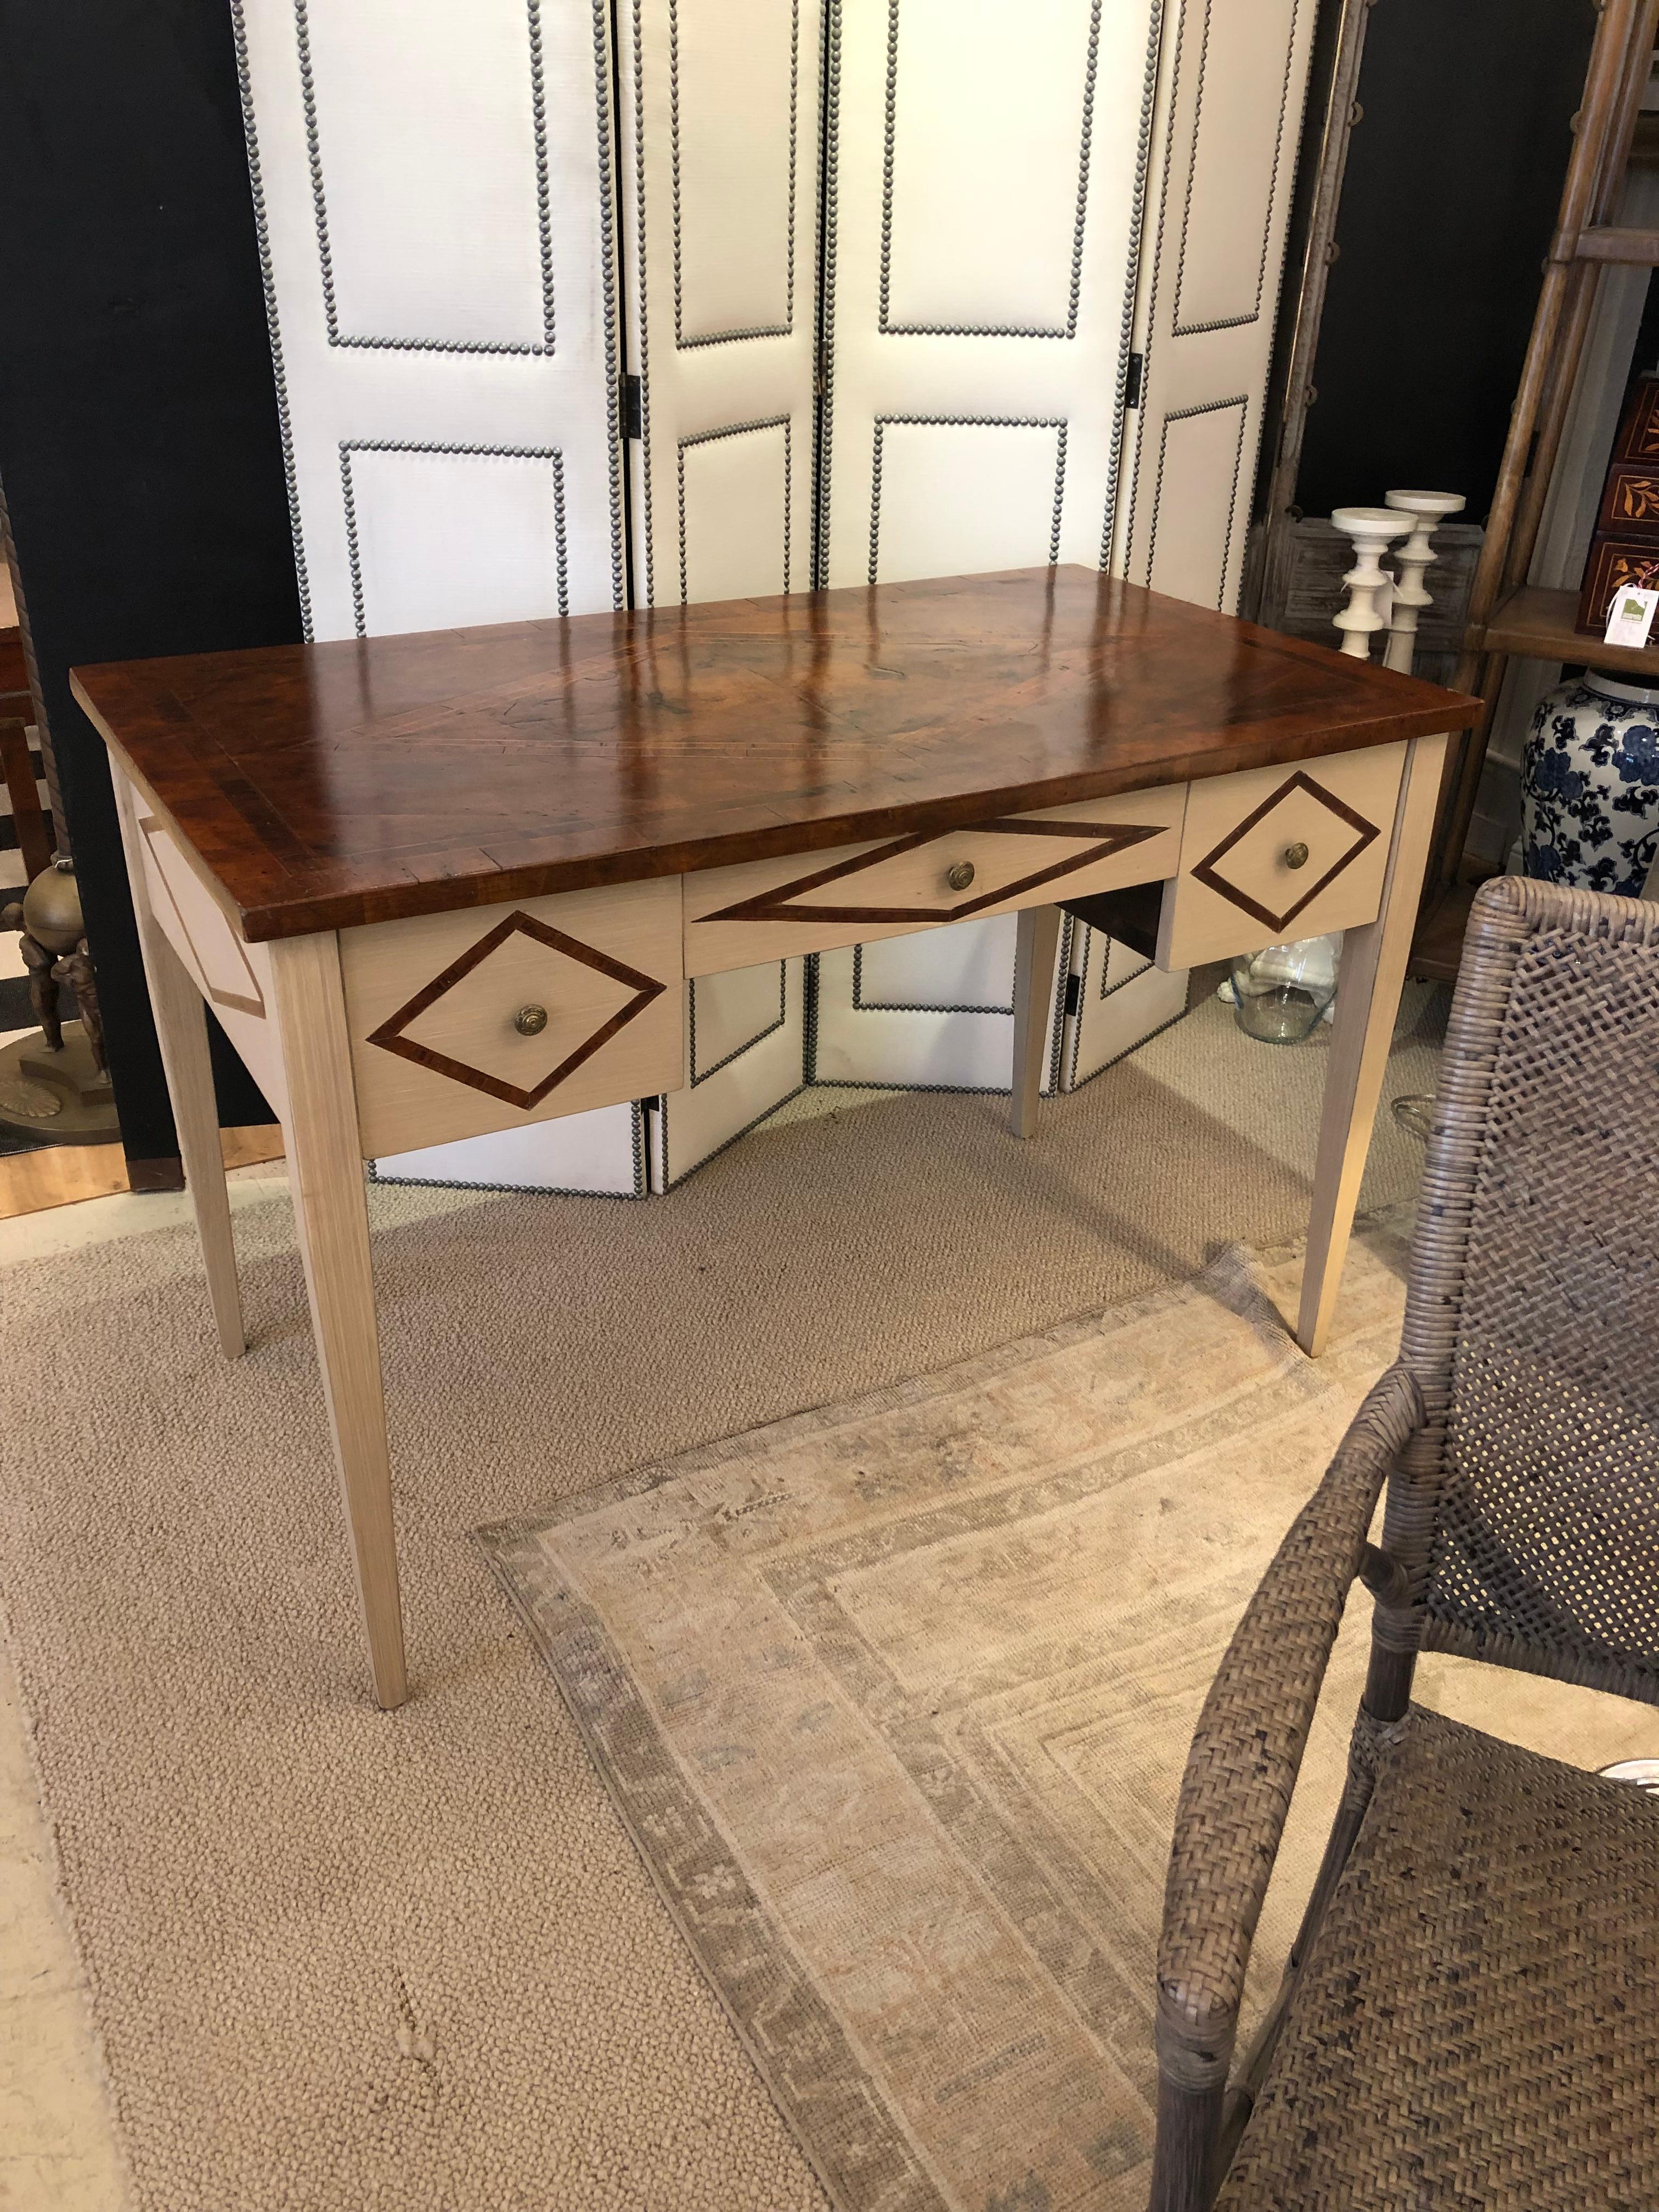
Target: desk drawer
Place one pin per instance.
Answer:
(894, 886)
(1280, 852)
(494, 1016)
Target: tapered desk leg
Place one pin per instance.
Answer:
(1035, 948)
(181, 1027)
(326, 1173)
(1367, 1003)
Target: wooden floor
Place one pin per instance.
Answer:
(63, 1175)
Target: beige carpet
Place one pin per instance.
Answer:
(339, 1959)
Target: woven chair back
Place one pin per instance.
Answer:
(1528, 1515)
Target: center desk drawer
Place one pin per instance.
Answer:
(893, 886)
(492, 1017)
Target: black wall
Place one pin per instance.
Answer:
(139, 438)
(1453, 182)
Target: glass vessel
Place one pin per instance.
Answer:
(1281, 993)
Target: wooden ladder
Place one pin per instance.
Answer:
(1506, 615)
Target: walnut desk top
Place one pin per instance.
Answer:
(326, 785)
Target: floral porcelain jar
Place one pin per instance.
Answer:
(1589, 785)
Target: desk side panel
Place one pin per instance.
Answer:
(234, 978)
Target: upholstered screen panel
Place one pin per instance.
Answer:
(996, 486)
(895, 1016)
(983, 190)
(744, 1034)
(1228, 120)
(583, 1163)
(740, 162)
(1117, 999)
(984, 185)
(735, 494)
(984, 169)
(1230, 96)
(875, 270)
(435, 203)
(435, 233)
(435, 207)
(719, 137)
(1191, 534)
(434, 538)
(1241, 151)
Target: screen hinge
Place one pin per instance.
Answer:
(1074, 994)
(633, 408)
(1131, 381)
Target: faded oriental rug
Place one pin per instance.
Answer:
(895, 1698)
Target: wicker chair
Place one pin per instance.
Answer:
(1470, 2016)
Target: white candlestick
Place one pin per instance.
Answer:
(1429, 509)
(1371, 528)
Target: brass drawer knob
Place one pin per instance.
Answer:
(1296, 856)
(530, 1021)
(959, 875)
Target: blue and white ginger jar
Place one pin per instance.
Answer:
(1589, 786)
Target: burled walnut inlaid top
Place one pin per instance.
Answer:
(328, 784)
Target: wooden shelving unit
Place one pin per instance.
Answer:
(1540, 625)
(1507, 615)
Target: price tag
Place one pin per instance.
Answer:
(1630, 617)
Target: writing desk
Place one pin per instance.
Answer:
(442, 884)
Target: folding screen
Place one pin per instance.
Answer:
(843, 289)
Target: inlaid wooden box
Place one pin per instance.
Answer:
(1624, 549)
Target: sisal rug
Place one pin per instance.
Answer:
(895, 1698)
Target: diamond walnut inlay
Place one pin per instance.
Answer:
(1250, 866)
(494, 978)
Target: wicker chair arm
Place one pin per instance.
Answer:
(1251, 1737)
